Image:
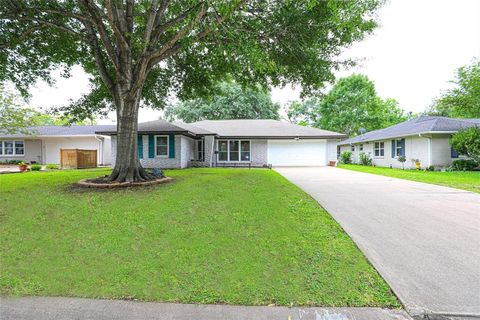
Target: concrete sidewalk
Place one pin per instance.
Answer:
(79, 309)
(423, 239)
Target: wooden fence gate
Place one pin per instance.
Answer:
(78, 158)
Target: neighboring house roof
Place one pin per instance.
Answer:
(263, 129)
(423, 124)
(234, 128)
(74, 130)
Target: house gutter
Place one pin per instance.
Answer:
(100, 140)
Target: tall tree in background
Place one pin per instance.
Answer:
(14, 117)
(139, 52)
(230, 101)
(351, 104)
(463, 101)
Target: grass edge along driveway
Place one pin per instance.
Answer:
(465, 180)
(232, 236)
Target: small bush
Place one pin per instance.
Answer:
(463, 165)
(10, 161)
(365, 159)
(346, 157)
(52, 166)
(402, 160)
(35, 167)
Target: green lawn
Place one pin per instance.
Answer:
(466, 180)
(234, 236)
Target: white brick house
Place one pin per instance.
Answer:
(425, 138)
(254, 143)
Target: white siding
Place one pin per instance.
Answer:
(332, 150)
(186, 151)
(416, 147)
(51, 147)
(442, 151)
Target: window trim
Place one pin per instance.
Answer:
(14, 154)
(168, 147)
(379, 149)
(200, 152)
(239, 151)
(397, 147)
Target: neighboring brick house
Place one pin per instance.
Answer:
(425, 138)
(257, 143)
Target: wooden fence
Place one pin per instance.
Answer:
(78, 158)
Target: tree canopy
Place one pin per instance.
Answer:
(14, 118)
(140, 52)
(231, 101)
(463, 101)
(351, 104)
(467, 142)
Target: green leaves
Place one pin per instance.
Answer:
(463, 101)
(267, 42)
(231, 101)
(350, 105)
(467, 142)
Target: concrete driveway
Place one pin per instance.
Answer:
(423, 239)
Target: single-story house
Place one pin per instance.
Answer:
(162, 144)
(425, 138)
(43, 143)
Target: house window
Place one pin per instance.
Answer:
(338, 152)
(398, 148)
(233, 150)
(245, 151)
(361, 147)
(12, 148)
(200, 152)
(161, 146)
(353, 148)
(379, 149)
(454, 154)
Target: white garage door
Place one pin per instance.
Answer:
(297, 152)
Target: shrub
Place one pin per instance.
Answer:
(463, 165)
(467, 142)
(346, 157)
(365, 159)
(35, 167)
(402, 160)
(52, 166)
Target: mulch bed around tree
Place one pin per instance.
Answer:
(103, 183)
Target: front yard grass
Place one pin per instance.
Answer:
(466, 180)
(233, 236)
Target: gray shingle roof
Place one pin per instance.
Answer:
(163, 126)
(192, 128)
(73, 130)
(263, 128)
(235, 128)
(415, 126)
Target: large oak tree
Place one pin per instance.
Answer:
(140, 51)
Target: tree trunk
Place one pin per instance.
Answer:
(127, 165)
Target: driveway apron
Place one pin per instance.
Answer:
(423, 239)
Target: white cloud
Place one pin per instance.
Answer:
(411, 57)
